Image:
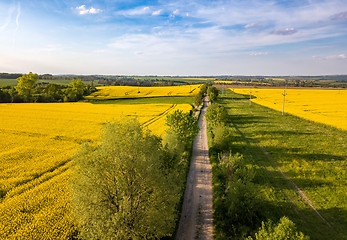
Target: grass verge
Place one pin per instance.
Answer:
(308, 154)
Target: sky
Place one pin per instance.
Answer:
(174, 37)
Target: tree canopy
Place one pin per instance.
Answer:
(183, 126)
(121, 189)
(284, 230)
(212, 93)
(26, 85)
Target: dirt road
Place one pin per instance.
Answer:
(197, 216)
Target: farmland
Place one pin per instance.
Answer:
(323, 106)
(288, 151)
(117, 92)
(38, 142)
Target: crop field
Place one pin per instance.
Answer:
(200, 79)
(37, 143)
(116, 92)
(301, 164)
(324, 106)
(8, 82)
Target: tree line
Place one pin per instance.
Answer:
(28, 89)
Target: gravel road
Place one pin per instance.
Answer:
(197, 215)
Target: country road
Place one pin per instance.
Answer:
(197, 215)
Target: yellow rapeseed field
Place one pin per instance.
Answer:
(114, 92)
(37, 143)
(319, 105)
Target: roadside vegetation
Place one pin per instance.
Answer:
(130, 186)
(276, 169)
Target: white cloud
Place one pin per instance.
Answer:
(331, 57)
(82, 10)
(135, 11)
(259, 54)
(176, 12)
(17, 24)
(157, 13)
(8, 19)
(285, 31)
(250, 25)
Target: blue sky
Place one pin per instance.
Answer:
(174, 37)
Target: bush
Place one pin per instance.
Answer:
(222, 138)
(284, 230)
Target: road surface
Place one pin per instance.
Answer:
(197, 215)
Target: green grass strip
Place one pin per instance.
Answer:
(313, 156)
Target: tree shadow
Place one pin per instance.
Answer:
(330, 225)
(318, 156)
(284, 132)
(240, 120)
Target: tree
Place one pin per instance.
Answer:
(222, 137)
(78, 87)
(237, 206)
(4, 96)
(201, 94)
(212, 93)
(216, 114)
(284, 230)
(74, 91)
(119, 189)
(26, 85)
(54, 91)
(183, 126)
(198, 99)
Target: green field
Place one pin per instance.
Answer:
(8, 82)
(289, 151)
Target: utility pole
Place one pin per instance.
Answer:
(284, 98)
(250, 95)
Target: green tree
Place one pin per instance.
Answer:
(237, 207)
(54, 91)
(243, 208)
(198, 99)
(119, 189)
(222, 137)
(5, 97)
(74, 91)
(26, 86)
(284, 230)
(78, 87)
(216, 114)
(212, 93)
(182, 126)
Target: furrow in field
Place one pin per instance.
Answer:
(156, 118)
(39, 179)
